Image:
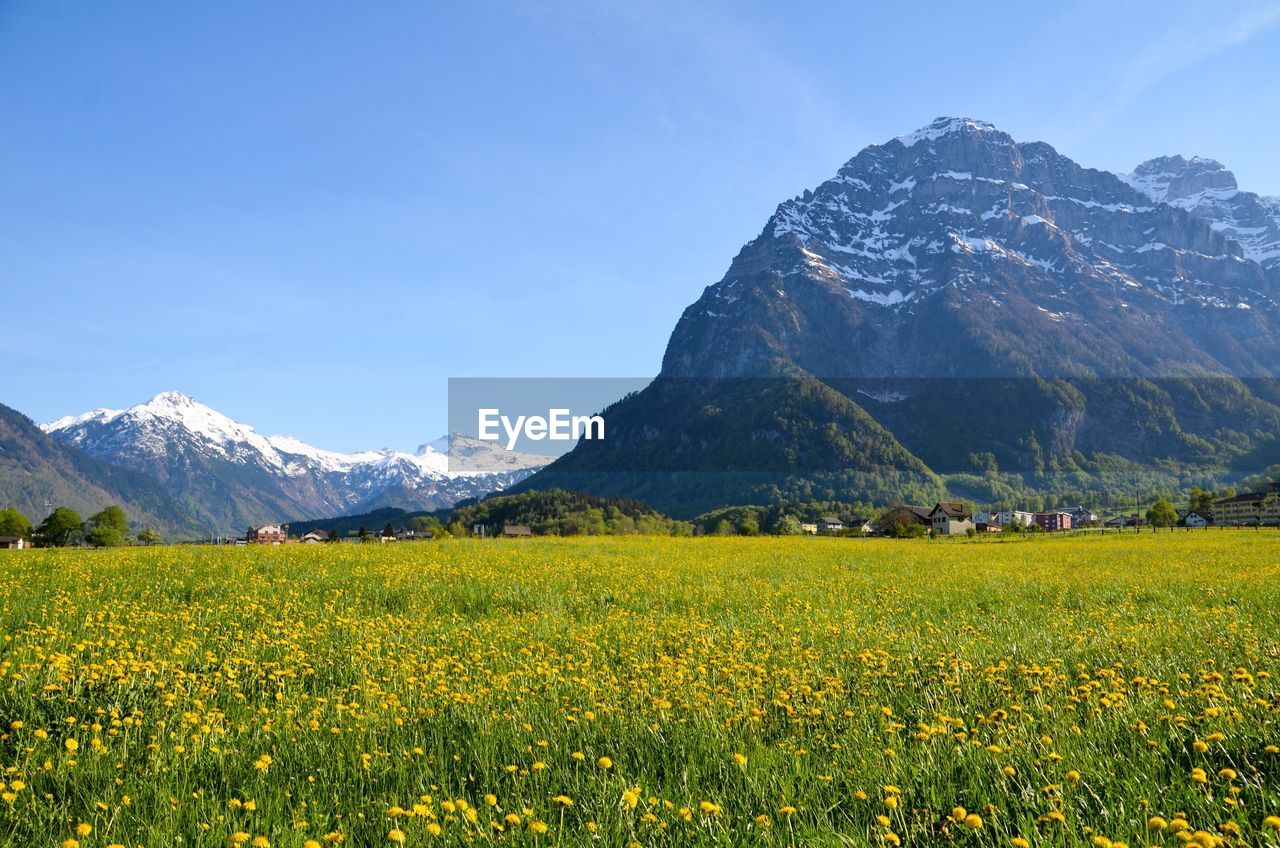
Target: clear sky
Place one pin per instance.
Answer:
(310, 214)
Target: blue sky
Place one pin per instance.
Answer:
(310, 214)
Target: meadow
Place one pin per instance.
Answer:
(1115, 691)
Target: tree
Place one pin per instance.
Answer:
(788, 525)
(333, 535)
(108, 528)
(149, 536)
(749, 526)
(1162, 513)
(1201, 501)
(14, 523)
(61, 528)
(388, 531)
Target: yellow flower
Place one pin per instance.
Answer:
(891, 838)
(433, 829)
(84, 829)
(577, 756)
(563, 800)
(538, 827)
(1157, 823)
(512, 819)
(1009, 771)
(1198, 775)
(973, 821)
(1073, 775)
(630, 798)
(395, 835)
(1271, 823)
(958, 813)
(604, 763)
(1020, 842)
(707, 808)
(786, 809)
(71, 745)
(261, 842)
(1227, 774)
(739, 760)
(239, 837)
(762, 821)
(70, 843)
(311, 843)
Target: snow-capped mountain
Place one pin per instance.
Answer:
(958, 224)
(1205, 188)
(235, 476)
(954, 293)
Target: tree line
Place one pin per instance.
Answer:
(64, 527)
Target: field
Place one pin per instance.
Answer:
(649, 691)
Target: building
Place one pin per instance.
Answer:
(1081, 517)
(267, 534)
(950, 518)
(1054, 520)
(516, 530)
(1009, 517)
(1195, 520)
(901, 519)
(1123, 521)
(1251, 509)
(15, 543)
(810, 529)
(830, 524)
(315, 537)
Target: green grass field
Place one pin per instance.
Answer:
(1071, 691)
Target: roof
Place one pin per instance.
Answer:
(951, 509)
(1247, 497)
(319, 534)
(9, 538)
(830, 519)
(516, 530)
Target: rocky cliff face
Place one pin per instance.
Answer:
(972, 294)
(1206, 189)
(956, 251)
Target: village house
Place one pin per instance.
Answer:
(1194, 520)
(1250, 509)
(267, 534)
(901, 518)
(949, 518)
(315, 537)
(1054, 520)
(1081, 517)
(516, 531)
(1008, 518)
(830, 524)
(15, 543)
(809, 529)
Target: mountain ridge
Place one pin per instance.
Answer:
(235, 476)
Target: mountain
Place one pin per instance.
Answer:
(232, 476)
(1205, 188)
(955, 302)
(37, 473)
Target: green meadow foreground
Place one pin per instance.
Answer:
(605, 692)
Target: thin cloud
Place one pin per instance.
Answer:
(1193, 40)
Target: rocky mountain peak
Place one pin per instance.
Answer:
(1170, 178)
